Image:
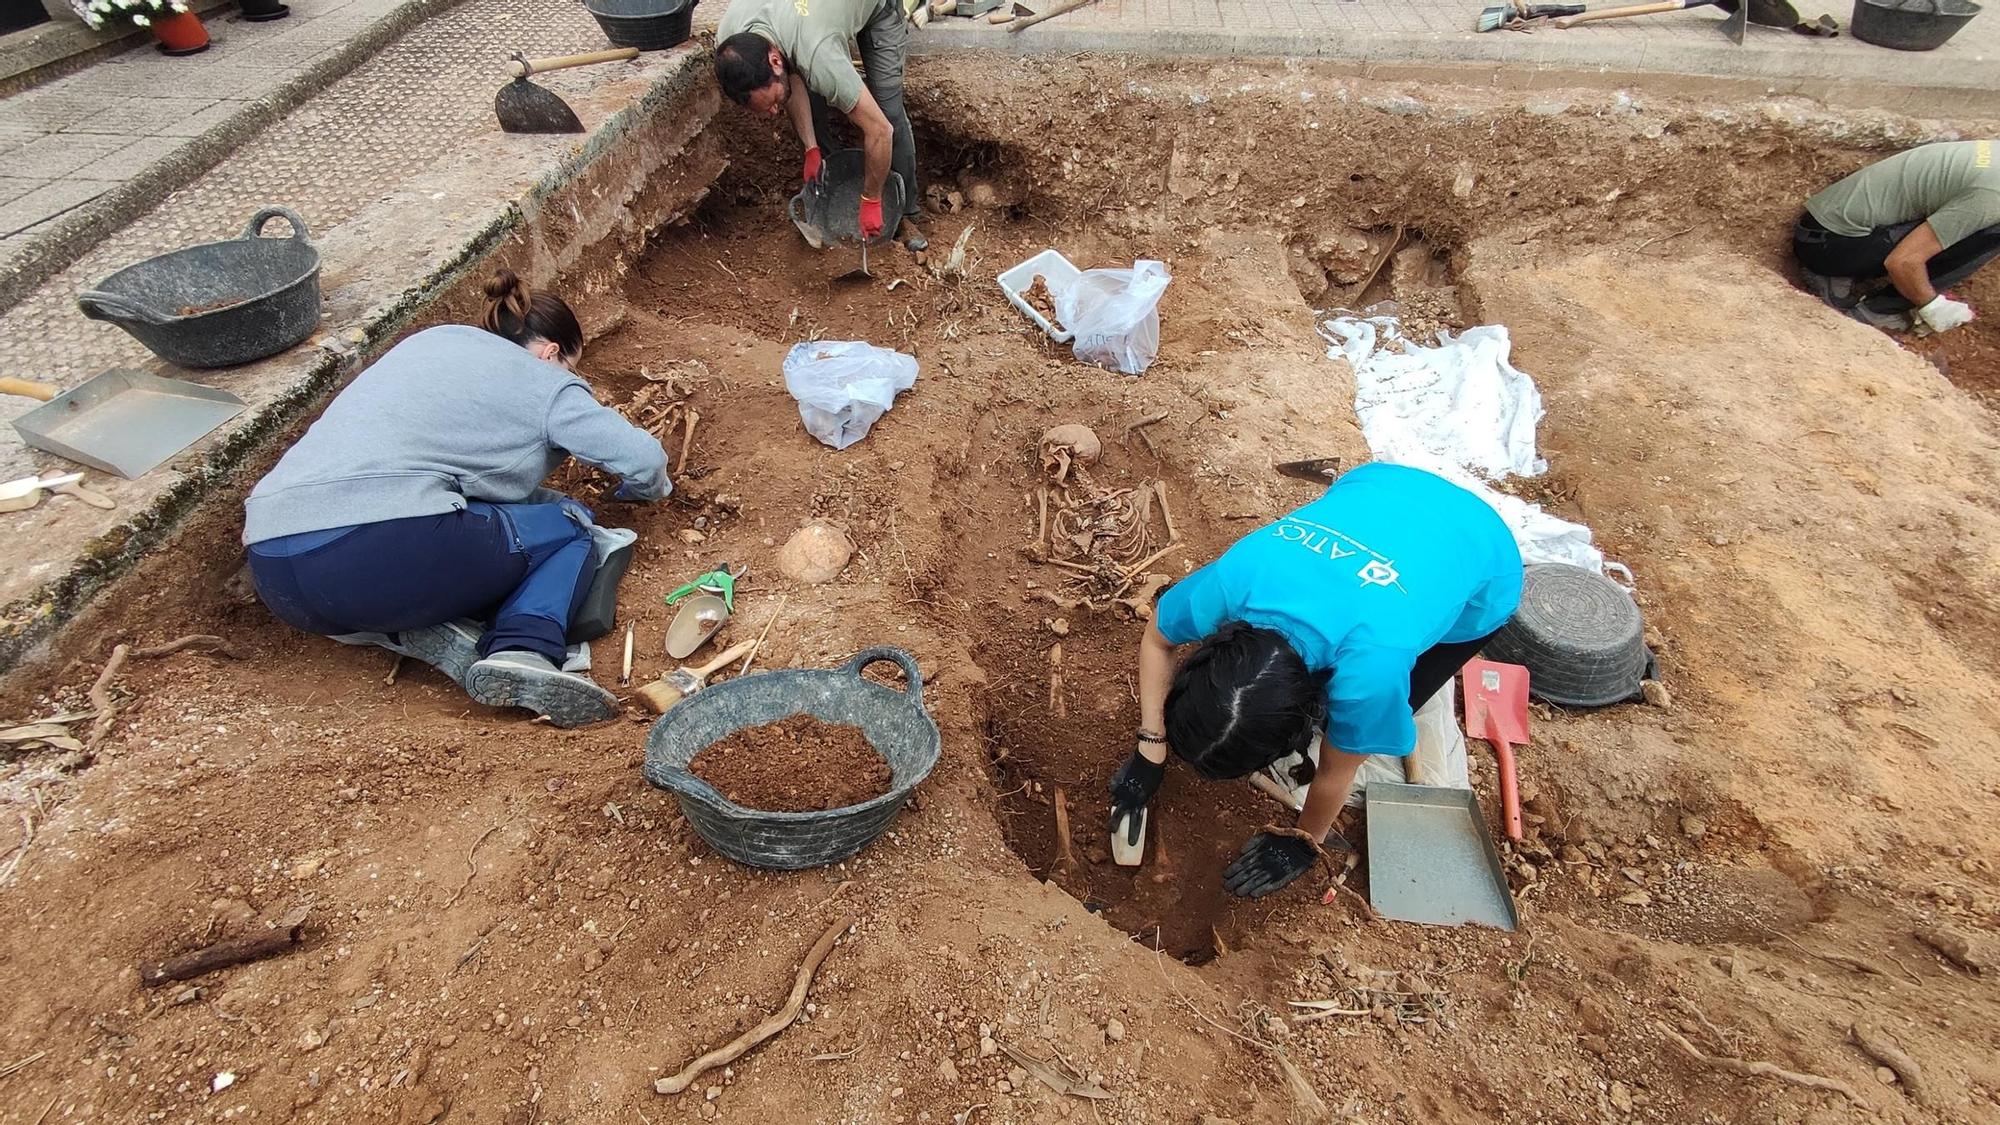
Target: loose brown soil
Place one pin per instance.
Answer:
(798, 764)
(509, 925)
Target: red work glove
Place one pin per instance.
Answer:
(812, 166)
(871, 217)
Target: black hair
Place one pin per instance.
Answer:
(517, 314)
(743, 66)
(1241, 700)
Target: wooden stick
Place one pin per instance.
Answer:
(782, 602)
(772, 1025)
(625, 668)
(223, 954)
(100, 692)
(1754, 1069)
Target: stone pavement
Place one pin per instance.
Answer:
(401, 172)
(1962, 77)
(81, 155)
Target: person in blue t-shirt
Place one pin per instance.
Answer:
(1344, 616)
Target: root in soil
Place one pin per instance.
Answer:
(798, 764)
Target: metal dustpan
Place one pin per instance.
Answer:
(1430, 859)
(126, 422)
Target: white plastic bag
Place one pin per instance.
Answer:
(1115, 315)
(843, 386)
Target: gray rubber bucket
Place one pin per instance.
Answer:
(265, 293)
(895, 723)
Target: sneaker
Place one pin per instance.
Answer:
(1892, 320)
(912, 238)
(1836, 291)
(524, 679)
(451, 648)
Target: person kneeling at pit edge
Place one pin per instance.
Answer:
(1345, 617)
(414, 504)
(1885, 243)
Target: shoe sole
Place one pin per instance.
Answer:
(568, 700)
(444, 648)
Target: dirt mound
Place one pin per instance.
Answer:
(795, 765)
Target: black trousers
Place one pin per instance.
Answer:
(1437, 665)
(1861, 257)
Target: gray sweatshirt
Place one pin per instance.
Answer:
(451, 414)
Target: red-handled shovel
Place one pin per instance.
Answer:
(1496, 709)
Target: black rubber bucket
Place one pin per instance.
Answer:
(894, 722)
(221, 303)
(1910, 25)
(650, 25)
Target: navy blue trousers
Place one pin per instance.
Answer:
(524, 567)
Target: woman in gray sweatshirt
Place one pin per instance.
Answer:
(415, 503)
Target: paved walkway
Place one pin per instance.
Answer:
(1963, 77)
(80, 156)
(397, 167)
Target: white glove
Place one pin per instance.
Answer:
(1944, 314)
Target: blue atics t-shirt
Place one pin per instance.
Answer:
(1391, 561)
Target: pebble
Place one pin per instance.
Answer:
(712, 1093)
(1115, 1031)
(987, 1047)
(1017, 1076)
(1656, 694)
(1693, 827)
(1621, 1097)
(948, 1071)
(1636, 898)
(1885, 1076)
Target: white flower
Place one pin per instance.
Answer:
(142, 21)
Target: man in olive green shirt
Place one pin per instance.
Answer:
(1923, 219)
(794, 56)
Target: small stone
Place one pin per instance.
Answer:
(1017, 1076)
(306, 869)
(709, 1112)
(690, 536)
(1636, 898)
(1621, 1097)
(312, 1039)
(1059, 626)
(593, 960)
(1885, 1076)
(447, 1040)
(1115, 1031)
(221, 1082)
(1656, 694)
(1570, 853)
(1693, 827)
(1004, 1086)
(947, 1071)
(987, 1047)
(712, 1093)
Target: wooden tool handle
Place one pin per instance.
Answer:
(29, 388)
(89, 496)
(522, 68)
(1053, 11)
(1413, 769)
(729, 656)
(1621, 13)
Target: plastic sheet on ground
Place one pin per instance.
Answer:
(1461, 410)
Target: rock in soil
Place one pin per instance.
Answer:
(798, 764)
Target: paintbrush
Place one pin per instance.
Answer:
(1501, 15)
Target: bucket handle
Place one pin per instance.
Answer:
(255, 227)
(913, 676)
(99, 305)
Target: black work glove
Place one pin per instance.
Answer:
(1268, 863)
(1133, 786)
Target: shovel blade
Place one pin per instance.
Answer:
(1496, 702)
(524, 107)
(860, 274)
